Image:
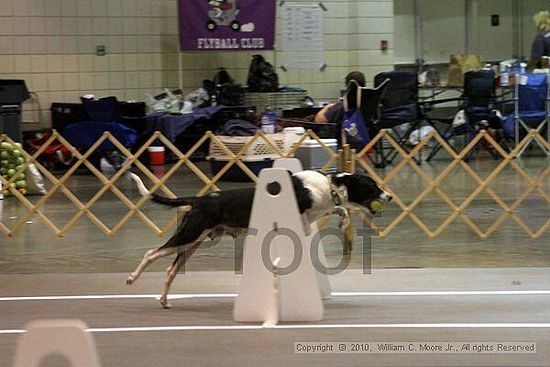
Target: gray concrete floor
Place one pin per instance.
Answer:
(85, 261)
(151, 336)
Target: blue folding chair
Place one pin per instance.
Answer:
(531, 107)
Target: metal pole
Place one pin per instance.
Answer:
(516, 20)
(467, 8)
(516, 112)
(420, 34)
(547, 118)
(519, 40)
(180, 70)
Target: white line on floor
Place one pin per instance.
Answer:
(115, 296)
(233, 295)
(309, 326)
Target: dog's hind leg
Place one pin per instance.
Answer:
(193, 228)
(173, 270)
(149, 257)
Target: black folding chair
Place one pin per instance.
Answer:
(400, 106)
(479, 102)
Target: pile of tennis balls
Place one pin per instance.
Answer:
(11, 161)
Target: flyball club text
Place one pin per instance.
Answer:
(230, 43)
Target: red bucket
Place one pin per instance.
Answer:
(156, 155)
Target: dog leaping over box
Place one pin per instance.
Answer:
(228, 212)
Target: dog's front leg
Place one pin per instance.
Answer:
(173, 270)
(171, 273)
(306, 224)
(344, 216)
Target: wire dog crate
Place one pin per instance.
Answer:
(276, 100)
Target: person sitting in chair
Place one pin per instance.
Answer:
(334, 112)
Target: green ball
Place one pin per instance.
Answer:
(5, 163)
(22, 176)
(6, 146)
(377, 205)
(20, 160)
(11, 172)
(21, 184)
(5, 154)
(3, 171)
(16, 153)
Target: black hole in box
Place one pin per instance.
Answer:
(274, 188)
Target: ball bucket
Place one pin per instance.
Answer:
(156, 155)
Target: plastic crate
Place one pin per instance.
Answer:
(235, 173)
(259, 150)
(258, 156)
(277, 101)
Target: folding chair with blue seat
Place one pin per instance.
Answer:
(479, 102)
(531, 108)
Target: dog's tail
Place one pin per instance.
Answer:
(172, 202)
(140, 185)
(157, 198)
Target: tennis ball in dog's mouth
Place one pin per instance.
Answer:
(377, 205)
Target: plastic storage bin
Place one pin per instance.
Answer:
(13, 92)
(10, 121)
(313, 156)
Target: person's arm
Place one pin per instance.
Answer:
(321, 116)
(331, 113)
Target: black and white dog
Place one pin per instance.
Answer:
(228, 212)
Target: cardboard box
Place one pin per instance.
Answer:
(460, 64)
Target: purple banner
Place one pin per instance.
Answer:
(217, 25)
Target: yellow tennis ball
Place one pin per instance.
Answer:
(377, 205)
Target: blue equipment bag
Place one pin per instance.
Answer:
(355, 127)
